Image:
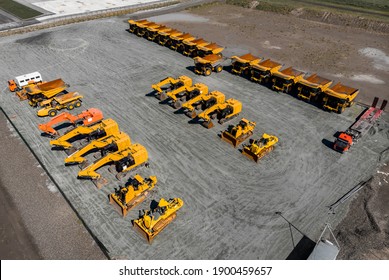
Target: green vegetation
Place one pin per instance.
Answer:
(18, 9)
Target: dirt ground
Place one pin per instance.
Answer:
(353, 56)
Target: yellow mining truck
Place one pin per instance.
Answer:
(163, 37)
(202, 102)
(176, 42)
(39, 92)
(338, 97)
(134, 192)
(312, 88)
(241, 65)
(286, 79)
(136, 25)
(153, 221)
(152, 31)
(263, 71)
(238, 133)
(257, 149)
(68, 101)
(123, 161)
(211, 48)
(223, 112)
(190, 46)
(104, 145)
(205, 65)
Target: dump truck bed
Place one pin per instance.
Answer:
(65, 98)
(199, 41)
(246, 58)
(288, 73)
(315, 80)
(211, 58)
(339, 89)
(267, 64)
(59, 83)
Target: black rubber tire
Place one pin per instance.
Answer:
(218, 68)
(207, 71)
(77, 104)
(70, 106)
(52, 113)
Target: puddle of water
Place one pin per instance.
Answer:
(181, 17)
(367, 78)
(380, 59)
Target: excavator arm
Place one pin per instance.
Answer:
(63, 117)
(90, 171)
(174, 93)
(158, 87)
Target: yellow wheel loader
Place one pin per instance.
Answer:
(44, 91)
(237, 134)
(153, 221)
(170, 84)
(163, 37)
(263, 71)
(123, 161)
(205, 65)
(104, 128)
(286, 79)
(152, 31)
(312, 88)
(259, 148)
(68, 101)
(106, 144)
(202, 102)
(134, 192)
(212, 48)
(176, 97)
(190, 46)
(338, 97)
(176, 42)
(241, 65)
(223, 112)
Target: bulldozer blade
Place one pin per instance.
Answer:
(257, 157)
(117, 207)
(99, 183)
(131, 205)
(227, 137)
(209, 124)
(156, 229)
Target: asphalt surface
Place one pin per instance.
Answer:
(230, 202)
(35, 220)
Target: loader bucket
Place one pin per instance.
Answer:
(208, 124)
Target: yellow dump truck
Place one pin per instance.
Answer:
(285, 80)
(136, 25)
(190, 46)
(312, 88)
(241, 65)
(205, 65)
(338, 97)
(176, 42)
(263, 71)
(152, 31)
(68, 101)
(211, 48)
(164, 37)
(39, 92)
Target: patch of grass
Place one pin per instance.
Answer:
(18, 10)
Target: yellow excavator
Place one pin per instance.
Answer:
(153, 221)
(110, 143)
(176, 41)
(286, 79)
(205, 65)
(241, 65)
(212, 48)
(176, 97)
(338, 97)
(260, 147)
(237, 134)
(223, 112)
(312, 88)
(202, 102)
(125, 160)
(136, 190)
(263, 71)
(163, 37)
(190, 46)
(104, 128)
(171, 84)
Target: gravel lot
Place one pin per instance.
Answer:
(230, 202)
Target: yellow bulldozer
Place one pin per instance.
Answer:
(263, 71)
(190, 46)
(202, 102)
(223, 112)
(338, 97)
(257, 149)
(134, 192)
(123, 161)
(176, 97)
(104, 128)
(104, 145)
(68, 101)
(164, 37)
(312, 88)
(286, 79)
(153, 221)
(212, 48)
(238, 133)
(241, 65)
(170, 84)
(176, 42)
(205, 65)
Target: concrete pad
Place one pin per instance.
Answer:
(230, 202)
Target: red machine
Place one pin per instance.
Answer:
(87, 118)
(347, 138)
